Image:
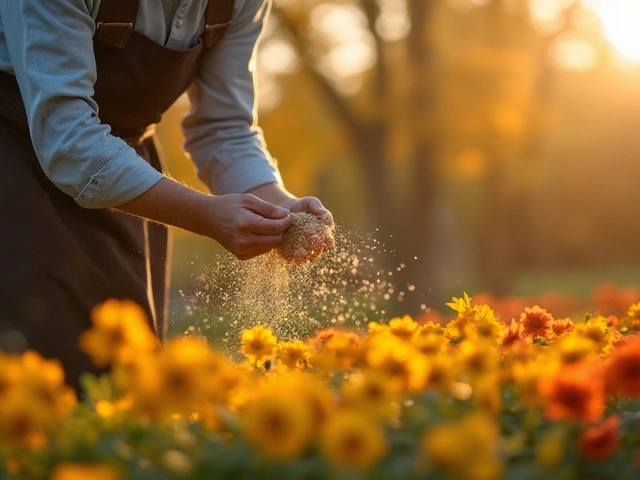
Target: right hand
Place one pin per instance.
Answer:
(245, 225)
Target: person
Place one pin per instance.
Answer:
(83, 197)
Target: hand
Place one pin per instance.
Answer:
(278, 195)
(309, 205)
(243, 224)
(247, 226)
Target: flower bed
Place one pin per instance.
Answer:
(475, 399)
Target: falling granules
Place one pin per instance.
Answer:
(344, 286)
(308, 237)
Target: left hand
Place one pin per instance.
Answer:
(307, 204)
(276, 194)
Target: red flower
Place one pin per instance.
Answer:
(623, 369)
(599, 442)
(575, 393)
(536, 322)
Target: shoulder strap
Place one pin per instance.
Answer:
(115, 21)
(218, 20)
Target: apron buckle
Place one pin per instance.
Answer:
(114, 34)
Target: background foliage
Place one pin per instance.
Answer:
(454, 130)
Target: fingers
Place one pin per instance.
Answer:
(270, 227)
(314, 206)
(264, 209)
(253, 245)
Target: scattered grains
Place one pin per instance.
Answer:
(293, 298)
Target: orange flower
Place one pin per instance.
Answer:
(512, 335)
(536, 322)
(575, 392)
(623, 369)
(560, 327)
(599, 442)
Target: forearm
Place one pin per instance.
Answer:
(172, 203)
(243, 224)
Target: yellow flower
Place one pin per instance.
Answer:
(431, 327)
(461, 305)
(466, 448)
(634, 311)
(599, 331)
(442, 445)
(478, 357)
(526, 377)
(23, 421)
(120, 332)
(550, 451)
(175, 381)
(403, 327)
(278, 425)
(344, 347)
(375, 327)
(44, 380)
(456, 328)
(258, 344)
(10, 371)
(632, 320)
(572, 348)
(430, 342)
(84, 471)
(403, 365)
(225, 379)
(314, 394)
(108, 410)
(351, 439)
(371, 392)
(442, 372)
(484, 324)
(294, 354)
(487, 393)
(33, 398)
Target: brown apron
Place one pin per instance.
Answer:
(57, 259)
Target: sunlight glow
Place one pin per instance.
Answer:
(349, 46)
(393, 23)
(573, 53)
(620, 23)
(547, 15)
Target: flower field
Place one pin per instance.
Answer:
(478, 397)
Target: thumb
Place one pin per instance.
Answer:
(266, 209)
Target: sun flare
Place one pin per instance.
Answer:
(620, 23)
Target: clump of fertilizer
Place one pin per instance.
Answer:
(308, 237)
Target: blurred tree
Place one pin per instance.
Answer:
(433, 92)
(430, 116)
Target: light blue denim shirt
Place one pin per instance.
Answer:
(48, 45)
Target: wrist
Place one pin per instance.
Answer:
(274, 193)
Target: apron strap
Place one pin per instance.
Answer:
(115, 21)
(218, 20)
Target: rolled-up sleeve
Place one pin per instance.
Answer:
(51, 49)
(221, 132)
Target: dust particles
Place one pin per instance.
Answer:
(293, 294)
